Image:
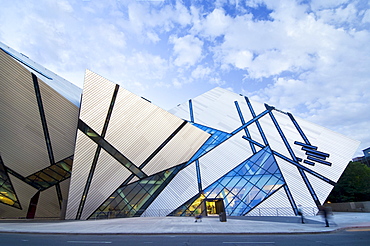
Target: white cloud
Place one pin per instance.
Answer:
(215, 24)
(201, 72)
(187, 50)
(176, 83)
(311, 59)
(366, 17)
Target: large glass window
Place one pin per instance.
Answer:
(244, 187)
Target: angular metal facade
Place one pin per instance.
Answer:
(37, 134)
(111, 153)
(309, 158)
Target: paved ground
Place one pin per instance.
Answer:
(186, 225)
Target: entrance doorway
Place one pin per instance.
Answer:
(214, 206)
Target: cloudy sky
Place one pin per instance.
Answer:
(307, 57)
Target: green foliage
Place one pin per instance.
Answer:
(353, 185)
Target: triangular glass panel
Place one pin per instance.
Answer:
(7, 193)
(190, 208)
(216, 138)
(248, 184)
(132, 199)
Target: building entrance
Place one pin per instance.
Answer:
(214, 206)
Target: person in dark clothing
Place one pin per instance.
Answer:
(198, 217)
(300, 213)
(324, 211)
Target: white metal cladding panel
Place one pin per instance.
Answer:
(96, 98)
(183, 187)
(182, 111)
(48, 205)
(216, 109)
(24, 193)
(62, 86)
(64, 186)
(134, 179)
(322, 188)
(22, 145)
(108, 176)
(278, 202)
(83, 158)
(340, 148)
(62, 118)
(258, 107)
(223, 158)
(137, 128)
(272, 134)
(295, 183)
(180, 149)
(292, 135)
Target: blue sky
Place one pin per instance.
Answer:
(310, 58)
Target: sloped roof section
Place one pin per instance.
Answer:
(62, 86)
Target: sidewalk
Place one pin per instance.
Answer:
(186, 225)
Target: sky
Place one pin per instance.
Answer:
(309, 58)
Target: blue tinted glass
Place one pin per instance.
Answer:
(273, 168)
(232, 173)
(268, 162)
(263, 180)
(248, 184)
(254, 169)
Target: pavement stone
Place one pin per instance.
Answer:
(187, 225)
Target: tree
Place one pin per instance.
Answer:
(353, 185)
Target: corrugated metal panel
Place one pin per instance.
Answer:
(61, 117)
(182, 188)
(180, 149)
(276, 205)
(83, 158)
(272, 134)
(137, 127)
(216, 109)
(223, 158)
(62, 86)
(181, 111)
(220, 114)
(133, 180)
(22, 145)
(297, 187)
(96, 99)
(48, 205)
(108, 176)
(340, 148)
(64, 186)
(322, 189)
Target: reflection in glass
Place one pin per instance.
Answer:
(244, 187)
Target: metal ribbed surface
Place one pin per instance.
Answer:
(22, 139)
(61, 117)
(216, 109)
(137, 128)
(96, 98)
(275, 205)
(182, 188)
(48, 204)
(83, 158)
(180, 149)
(223, 158)
(322, 189)
(339, 147)
(297, 187)
(273, 137)
(108, 176)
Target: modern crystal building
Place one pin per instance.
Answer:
(105, 152)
